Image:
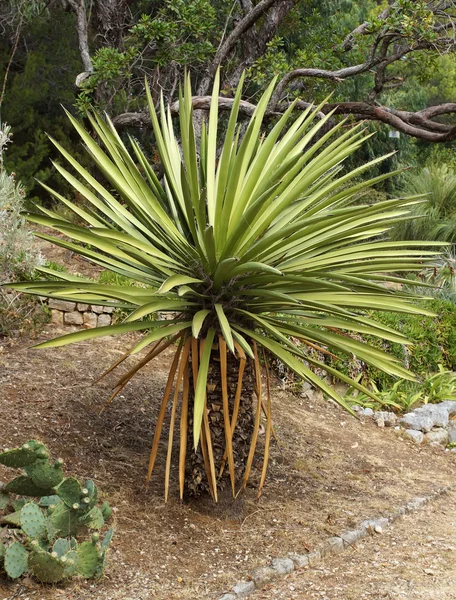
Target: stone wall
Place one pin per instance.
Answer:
(72, 314)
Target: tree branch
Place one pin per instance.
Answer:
(244, 25)
(416, 124)
(79, 7)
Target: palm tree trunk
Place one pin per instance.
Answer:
(196, 480)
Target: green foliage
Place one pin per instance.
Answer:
(36, 544)
(433, 347)
(40, 81)
(18, 258)
(435, 218)
(179, 33)
(403, 395)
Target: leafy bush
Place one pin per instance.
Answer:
(404, 396)
(18, 258)
(40, 537)
(435, 217)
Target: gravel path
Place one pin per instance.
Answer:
(414, 559)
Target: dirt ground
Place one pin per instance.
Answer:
(413, 560)
(332, 471)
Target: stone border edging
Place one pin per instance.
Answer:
(260, 576)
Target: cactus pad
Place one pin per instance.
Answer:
(107, 539)
(93, 519)
(33, 522)
(4, 500)
(64, 520)
(18, 504)
(87, 559)
(12, 519)
(61, 547)
(24, 486)
(46, 501)
(44, 474)
(71, 563)
(106, 510)
(18, 457)
(45, 567)
(70, 491)
(15, 563)
(92, 492)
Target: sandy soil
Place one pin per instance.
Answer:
(332, 471)
(413, 560)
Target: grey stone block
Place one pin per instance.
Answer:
(416, 436)
(388, 419)
(436, 412)
(415, 504)
(283, 565)
(366, 412)
(244, 588)
(108, 309)
(451, 435)
(103, 320)
(90, 319)
(437, 436)
(62, 305)
(417, 422)
(314, 557)
(97, 309)
(73, 318)
(57, 317)
(83, 307)
(263, 575)
(299, 560)
(335, 544)
(351, 537)
(450, 406)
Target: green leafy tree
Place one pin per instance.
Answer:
(246, 253)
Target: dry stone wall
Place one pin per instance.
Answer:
(70, 314)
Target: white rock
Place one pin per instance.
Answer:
(244, 588)
(62, 305)
(437, 436)
(90, 319)
(417, 422)
(436, 412)
(283, 565)
(57, 317)
(103, 320)
(299, 560)
(416, 436)
(73, 318)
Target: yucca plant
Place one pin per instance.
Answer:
(246, 252)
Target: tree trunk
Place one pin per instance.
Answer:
(196, 478)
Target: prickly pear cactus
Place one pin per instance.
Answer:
(25, 486)
(88, 558)
(43, 530)
(4, 500)
(45, 474)
(46, 566)
(33, 521)
(19, 457)
(70, 492)
(106, 510)
(15, 562)
(64, 520)
(93, 519)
